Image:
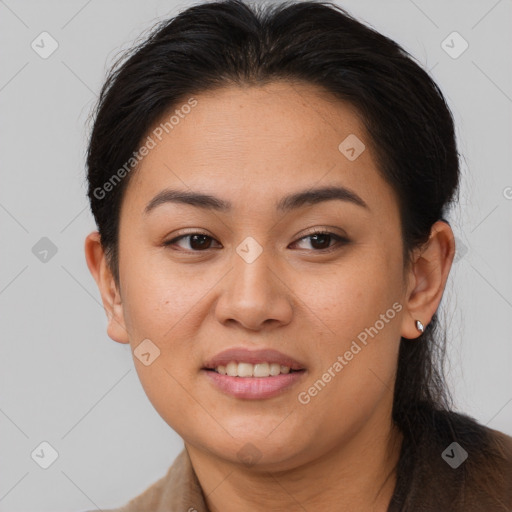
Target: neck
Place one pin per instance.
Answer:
(357, 475)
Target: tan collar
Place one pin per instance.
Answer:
(178, 491)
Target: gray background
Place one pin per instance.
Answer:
(62, 380)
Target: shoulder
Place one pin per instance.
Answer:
(502, 442)
(486, 451)
(459, 465)
(487, 476)
(178, 490)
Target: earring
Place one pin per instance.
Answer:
(419, 326)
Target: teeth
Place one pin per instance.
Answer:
(244, 370)
(261, 370)
(234, 369)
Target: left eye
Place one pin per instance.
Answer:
(199, 242)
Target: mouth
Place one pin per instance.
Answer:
(247, 370)
(253, 375)
(242, 362)
(254, 388)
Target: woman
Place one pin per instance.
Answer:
(271, 189)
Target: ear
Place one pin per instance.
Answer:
(110, 296)
(427, 278)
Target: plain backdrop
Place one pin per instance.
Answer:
(62, 380)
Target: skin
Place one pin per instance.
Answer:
(272, 140)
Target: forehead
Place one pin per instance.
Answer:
(270, 139)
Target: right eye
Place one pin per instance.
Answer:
(198, 242)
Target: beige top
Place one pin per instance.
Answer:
(435, 487)
(177, 491)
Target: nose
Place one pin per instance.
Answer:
(254, 295)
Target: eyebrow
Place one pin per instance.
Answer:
(291, 202)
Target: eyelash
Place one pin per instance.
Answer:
(340, 241)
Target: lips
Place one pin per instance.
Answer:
(255, 388)
(243, 355)
(252, 387)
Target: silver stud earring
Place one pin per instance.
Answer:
(419, 326)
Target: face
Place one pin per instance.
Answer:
(252, 274)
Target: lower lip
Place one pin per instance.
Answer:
(254, 388)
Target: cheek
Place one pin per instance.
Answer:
(358, 311)
(158, 297)
(354, 294)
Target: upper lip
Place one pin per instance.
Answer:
(243, 355)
